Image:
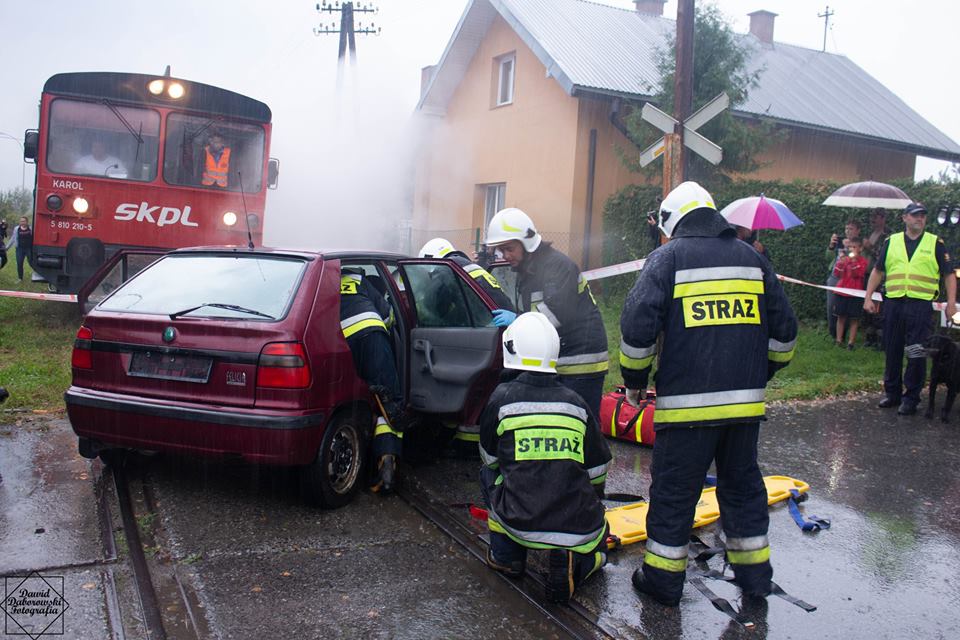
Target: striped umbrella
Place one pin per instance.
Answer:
(760, 212)
(868, 195)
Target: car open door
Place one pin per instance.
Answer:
(454, 355)
(119, 268)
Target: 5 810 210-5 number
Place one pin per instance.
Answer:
(67, 225)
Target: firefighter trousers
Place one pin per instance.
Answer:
(375, 364)
(681, 459)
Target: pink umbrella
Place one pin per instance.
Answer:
(760, 212)
(868, 195)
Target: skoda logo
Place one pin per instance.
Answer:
(169, 334)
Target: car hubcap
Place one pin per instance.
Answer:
(343, 466)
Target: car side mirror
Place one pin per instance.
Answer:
(31, 144)
(273, 173)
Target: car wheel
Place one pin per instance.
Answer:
(334, 477)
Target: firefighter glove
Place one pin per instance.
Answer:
(503, 317)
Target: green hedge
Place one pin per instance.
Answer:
(798, 252)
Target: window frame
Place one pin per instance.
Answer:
(175, 120)
(500, 200)
(501, 61)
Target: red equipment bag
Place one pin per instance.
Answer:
(619, 419)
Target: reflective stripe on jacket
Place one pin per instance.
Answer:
(362, 307)
(552, 463)
(215, 172)
(727, 327)
(915, 277)
(551, 283)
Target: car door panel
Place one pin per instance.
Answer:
(446, 362)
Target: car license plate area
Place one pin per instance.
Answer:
(151, 364)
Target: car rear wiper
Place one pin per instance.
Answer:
(220, 305)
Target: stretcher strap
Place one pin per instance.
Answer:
(811, 523)
(778, 591)
(721, 604)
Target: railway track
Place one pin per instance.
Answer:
(573, 618)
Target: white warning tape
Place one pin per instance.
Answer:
(33, 295)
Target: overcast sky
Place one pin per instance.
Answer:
(340, 150)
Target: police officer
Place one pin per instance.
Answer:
(545, 465)
(727, 327)
(551, 283)
(914, 261)
(365, 319)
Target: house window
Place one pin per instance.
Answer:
(493, 198)
(505, 67)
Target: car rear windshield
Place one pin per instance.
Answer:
(248, 287)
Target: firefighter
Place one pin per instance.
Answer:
(441, 248)
(365, 319)
(544, 465)
(727, 328)
(551, 283)
(216, 162)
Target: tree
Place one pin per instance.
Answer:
(15, 203)
(720, 64)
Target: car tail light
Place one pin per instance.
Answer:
(82, 355)
(283, 365)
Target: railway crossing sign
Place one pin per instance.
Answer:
(691, 139)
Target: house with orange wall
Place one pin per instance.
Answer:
(524, 110)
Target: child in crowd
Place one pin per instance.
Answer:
(850, 271)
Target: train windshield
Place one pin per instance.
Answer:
(103, 139)
(213, 154)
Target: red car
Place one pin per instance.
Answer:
(239, 352)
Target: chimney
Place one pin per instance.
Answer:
(650, 7)
(761, 25)
(426, 74)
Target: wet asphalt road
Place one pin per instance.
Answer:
(263, 565)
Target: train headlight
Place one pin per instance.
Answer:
(80, 205)
(229, 218)
(156, 87)
(54, 202)
(175, 90)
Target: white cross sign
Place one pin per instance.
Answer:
(693, 140)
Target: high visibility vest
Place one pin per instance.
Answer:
(917, 277)
(216, 172)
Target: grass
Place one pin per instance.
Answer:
(818, 369)
(36, 338)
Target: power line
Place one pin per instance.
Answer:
(826, 22)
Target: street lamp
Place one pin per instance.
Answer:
(23, 169)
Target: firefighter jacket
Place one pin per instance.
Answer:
(551, 283)
(362, 307)
(726, 322)
(214, 170)
(915, 277)
(549, 462)
(486, 281)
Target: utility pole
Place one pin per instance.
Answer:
(674, 165)
(346, 29)
(826, 22)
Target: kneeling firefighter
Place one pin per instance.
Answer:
(365, 318)
(545, 464)
(727, 328)
(551, 283)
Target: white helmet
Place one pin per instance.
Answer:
(436, 248)
(513, 224)
(685, 197)
(531, 343)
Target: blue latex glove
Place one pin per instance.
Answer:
(503, 317)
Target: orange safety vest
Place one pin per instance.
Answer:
(216, 172)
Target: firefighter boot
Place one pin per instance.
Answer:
(666, 587)
(386, 474)
(754, 579)
(505, 555)
(567, 570)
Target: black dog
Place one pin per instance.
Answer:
(945, 356)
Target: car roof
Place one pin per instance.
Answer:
(337, 254)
